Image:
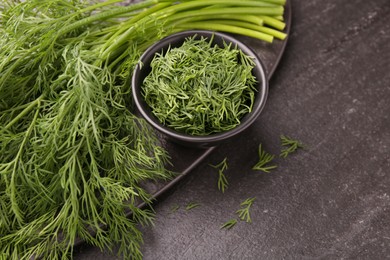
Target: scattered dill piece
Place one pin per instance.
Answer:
(229, 224)
(192, 205)
(175, 208)
(199, 88)
(244, 212)
(264, 159)
(290, 144)
(222, 181)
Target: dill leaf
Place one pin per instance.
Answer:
(244, 212)
(229, 224)
(222, 180)
(290, 144)
(264, 160)
(192, 205)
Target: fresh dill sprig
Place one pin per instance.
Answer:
(264, 159)
(222, 180)
(290, 144)
(192, 205)
(244, 212)
(72, 156)
(229, 224)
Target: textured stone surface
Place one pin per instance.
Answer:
(329, 201)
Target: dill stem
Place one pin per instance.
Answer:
(253, 2)
(106, 15)
(280, 2)
(263, 11)
(252, 19)
(196, 4)
(277, 34)
(131, 22)
(22, 113)
(273, 22)
(228, 28)
(173, 13)
(279, 17)
(14, 108)
(272, 32)
(14, 205)
(122, 35)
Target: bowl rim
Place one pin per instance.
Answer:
(260, 99)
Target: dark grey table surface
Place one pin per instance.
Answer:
(331, 91)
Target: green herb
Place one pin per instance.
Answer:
(222, 181)
(229, 224)
(264, 159)
(200, 89)
(192, 205)
(175, 208)
(72, 156)
(292, 145)
(244, 212)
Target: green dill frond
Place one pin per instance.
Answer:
(290, 144)
(222, 180)
(264, 159)
(244, 212)
(229, 224)
(192, 205)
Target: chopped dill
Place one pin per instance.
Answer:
(200, 89)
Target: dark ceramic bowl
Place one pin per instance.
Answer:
(176, 40)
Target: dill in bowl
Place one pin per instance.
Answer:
(200, 88)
